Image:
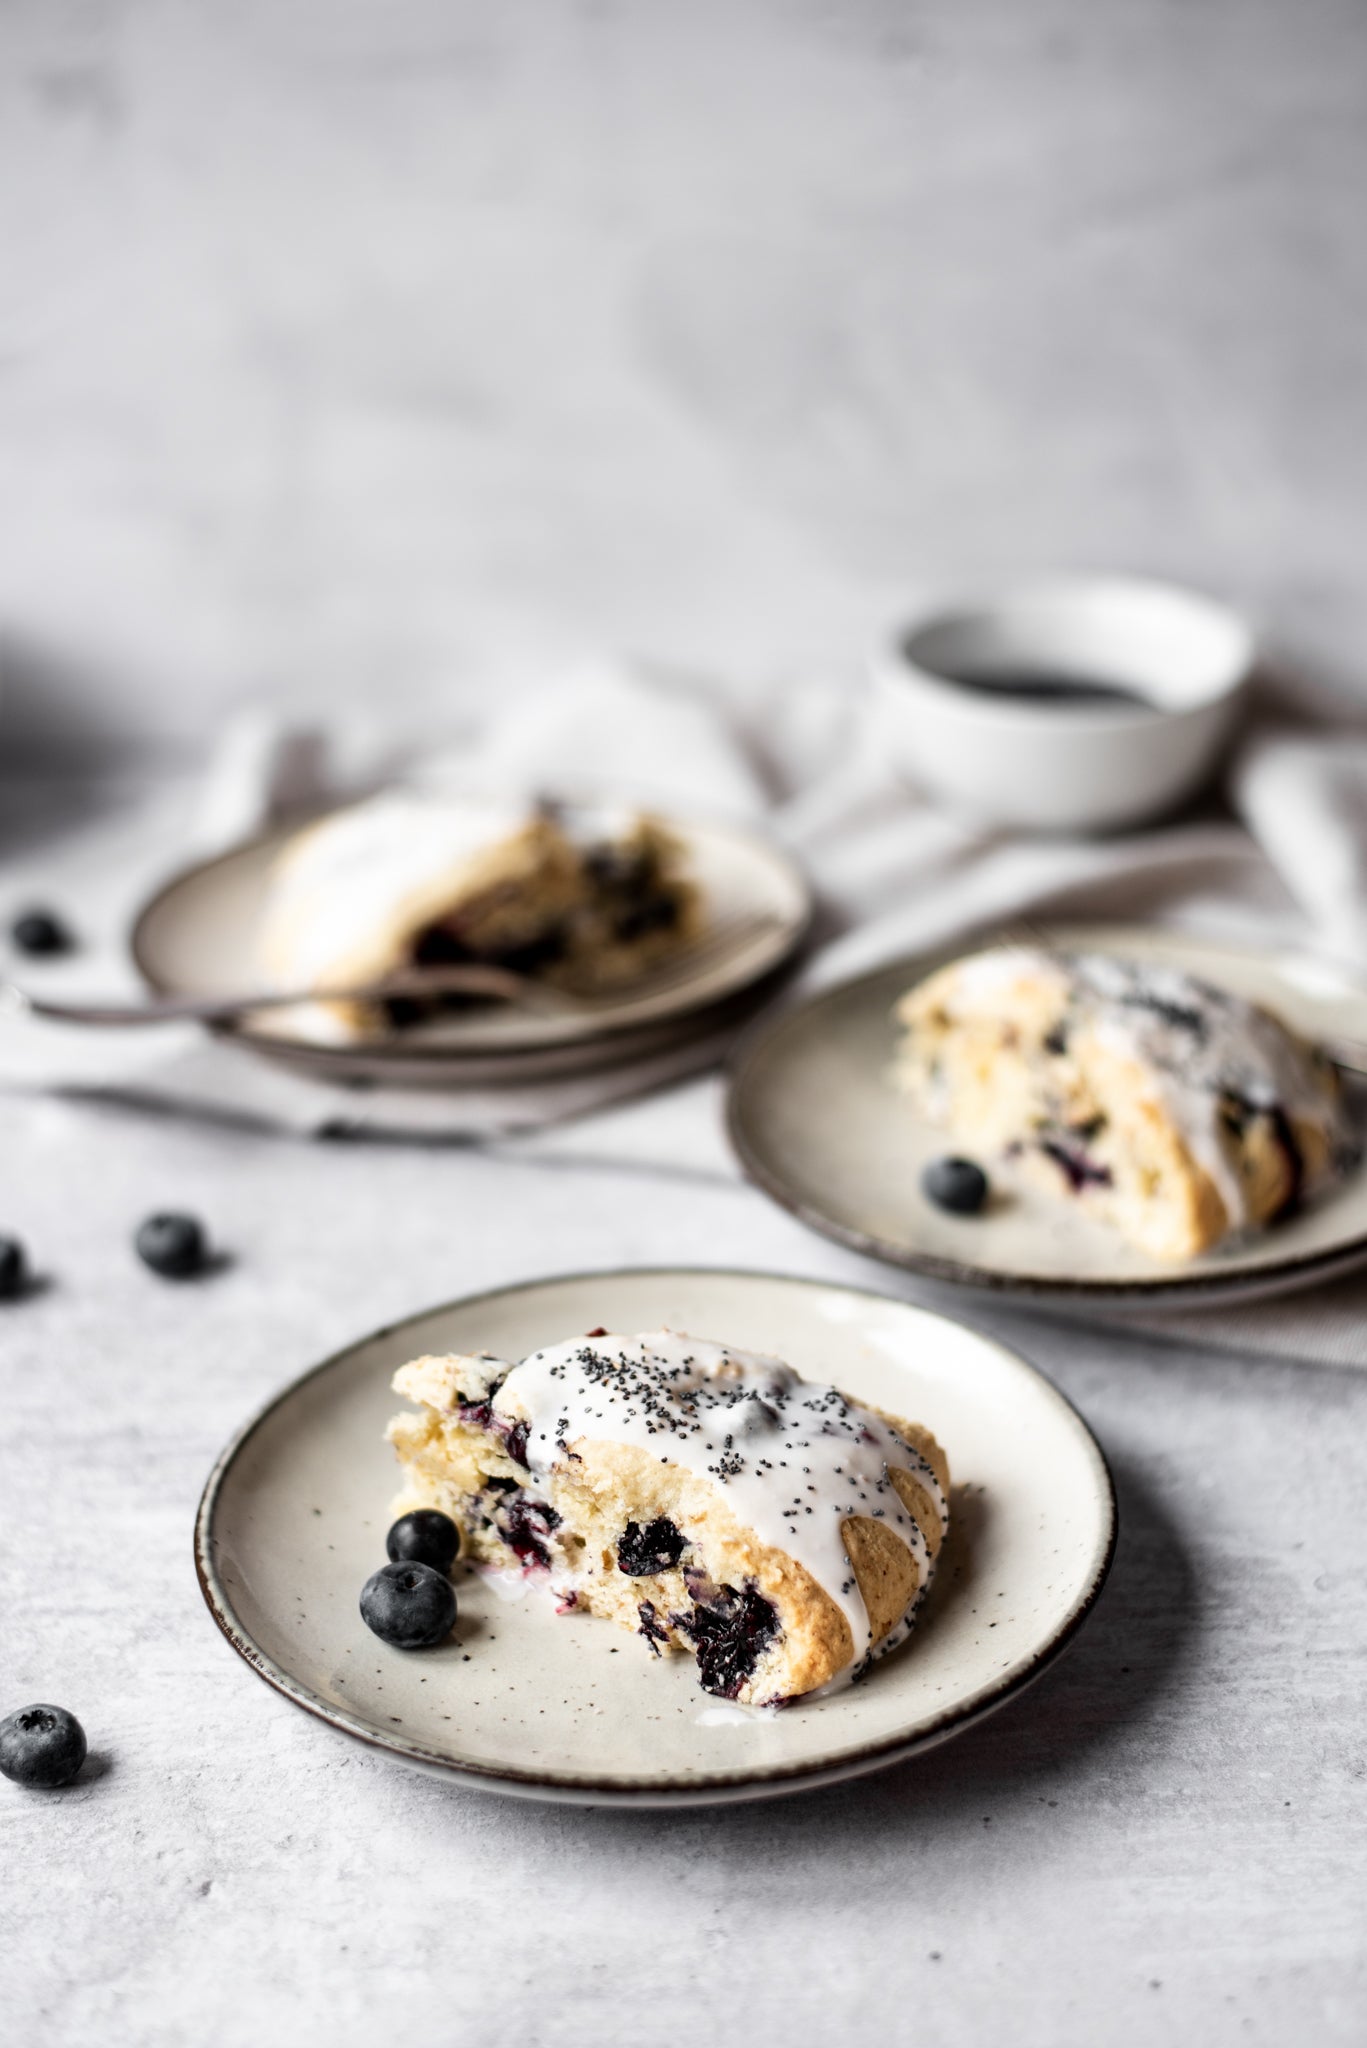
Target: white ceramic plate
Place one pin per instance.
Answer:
(817, 1124)
(197, 936)
(528, 1702)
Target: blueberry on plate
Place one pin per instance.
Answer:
(408, 1605)
(37, 932)
(426, 1536)
(13, 1268)
(172, 1245)
(959, 1185)
(42, 1746)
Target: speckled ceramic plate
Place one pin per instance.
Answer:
(197, 936)
(818, 1126)
(540, 1705)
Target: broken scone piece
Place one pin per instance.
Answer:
(404, 880)
(1174, 1111)
(709, 1499)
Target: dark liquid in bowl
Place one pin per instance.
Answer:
(1042, 687)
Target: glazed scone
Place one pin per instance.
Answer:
(1176, 1112)
(706, 1498)
(410, 880)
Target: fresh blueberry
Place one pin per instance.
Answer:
(172, 1245)
(408, 1605)
(13, 1268)
(38, 931)
(427, 1536)
(43, 1746)
(958, 1185)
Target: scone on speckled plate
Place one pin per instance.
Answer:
(706, 1498)
(413, 880)
(1174, 1111)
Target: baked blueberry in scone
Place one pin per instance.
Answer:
(1176, 1112)
(708, 1499)
(412, 880)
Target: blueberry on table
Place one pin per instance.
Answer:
(37, 932)
(41, 1746)
(959, 1185)
(172, 1245)
(13, 1268)
(408, 1605)
(426, 1536)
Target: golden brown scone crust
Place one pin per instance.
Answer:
(350, 898)
(1018, 1071)
(599, 1486)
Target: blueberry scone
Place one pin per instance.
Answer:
(706, 1498)
(407, 880)
(1174, 1111)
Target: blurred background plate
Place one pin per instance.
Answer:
(818, 1125)
(434, 1066)
(197, 936)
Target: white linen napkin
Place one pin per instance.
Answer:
(1287, 865)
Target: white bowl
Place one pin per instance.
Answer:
(1066, 764)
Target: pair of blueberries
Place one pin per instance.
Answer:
(172, 1244)
(410, 1602)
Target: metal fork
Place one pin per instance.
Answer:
(498, 983)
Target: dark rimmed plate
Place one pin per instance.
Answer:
(197, 936)
(527, 1702)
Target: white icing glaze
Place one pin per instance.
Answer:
(505, 1584)
(982, 976)
(792, 1457)
(1201, 1044)
(352, 874)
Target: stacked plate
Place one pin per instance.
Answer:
(197, 937)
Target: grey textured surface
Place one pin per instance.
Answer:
(1166, 1835)
(346, 345)
(367, 354)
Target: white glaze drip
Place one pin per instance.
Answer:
(1203, 1044)
(792, 1457)
(351, 875)
(982, 976)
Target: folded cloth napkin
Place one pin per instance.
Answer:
(1286, 863)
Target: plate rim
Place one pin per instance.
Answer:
(717, 1788)
(1184, 1290)
(793, 938)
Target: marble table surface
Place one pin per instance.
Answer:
(1165, 1835)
